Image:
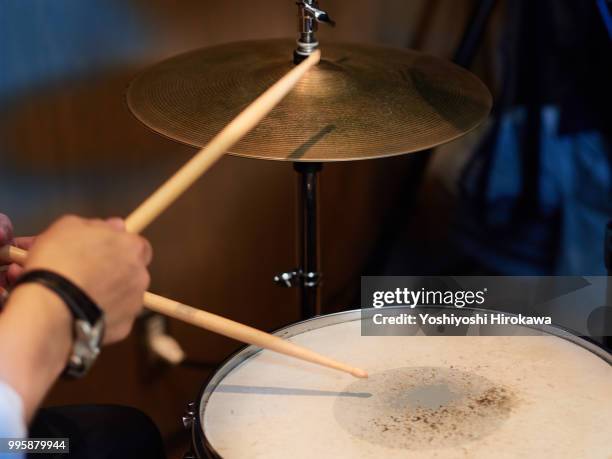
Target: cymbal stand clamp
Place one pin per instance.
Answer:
(298, 278)
(309, 15)
(288, 278)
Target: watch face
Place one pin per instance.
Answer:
(87, 342)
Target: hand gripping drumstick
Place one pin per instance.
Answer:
(217, 324)
(175, 186)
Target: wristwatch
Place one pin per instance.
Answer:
(88, 319)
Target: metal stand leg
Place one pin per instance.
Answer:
(306, 275)
(308, 232)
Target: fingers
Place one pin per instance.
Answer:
(24, 242)
(6, 230)
(146, 251)
(143, 247)
(3, 279)
(6, 237)
(116, 223)
(10, 272)
(13, 273)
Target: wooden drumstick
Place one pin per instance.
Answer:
(207, 156)
(217, 324)
(243, 333)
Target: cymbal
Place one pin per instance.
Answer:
(360, 102)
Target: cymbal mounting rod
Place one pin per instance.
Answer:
(307, 276)
(309, 15)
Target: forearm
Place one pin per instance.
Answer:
(35, 342)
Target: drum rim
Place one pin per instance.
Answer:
(248, 351)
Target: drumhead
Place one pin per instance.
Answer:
(545, 393)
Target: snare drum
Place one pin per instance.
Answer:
(548, 394)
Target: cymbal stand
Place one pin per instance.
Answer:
(307, 275)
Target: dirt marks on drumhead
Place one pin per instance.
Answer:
(425, 407)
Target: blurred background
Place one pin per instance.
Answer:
(527, 193)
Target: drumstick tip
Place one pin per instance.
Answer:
(359, 373)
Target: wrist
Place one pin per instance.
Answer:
(47, 314)
(88, 318)
(36, 339)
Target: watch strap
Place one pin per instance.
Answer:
(80, 304)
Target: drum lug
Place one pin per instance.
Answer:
(189, 415)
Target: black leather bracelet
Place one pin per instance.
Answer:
(80, 304)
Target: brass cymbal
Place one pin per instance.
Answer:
(360, 102)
